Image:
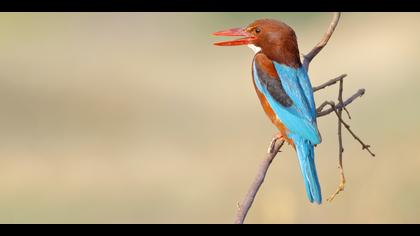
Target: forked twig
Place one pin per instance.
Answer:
(308, 57)
(335, 108)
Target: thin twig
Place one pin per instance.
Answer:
(308, 57)
(329, 83)
(347, 126)
(321, 112)
(347, 111)
(243, 208)
(340, 146)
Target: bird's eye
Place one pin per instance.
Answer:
(257, 30)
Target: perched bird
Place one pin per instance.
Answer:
(284, 90)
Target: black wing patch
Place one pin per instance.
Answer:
(274, 87)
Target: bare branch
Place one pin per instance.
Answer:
(329, 83)
(243, 208)
(321, 112)
(340, 146)
(347, 126)
(308, 57)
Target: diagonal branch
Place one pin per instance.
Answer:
(308, 57)
(259, 179)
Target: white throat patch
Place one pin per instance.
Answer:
(254, 48)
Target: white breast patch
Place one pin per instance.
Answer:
(254, 48)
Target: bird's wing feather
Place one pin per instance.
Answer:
(289, 93)
(297, 84)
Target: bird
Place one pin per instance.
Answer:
(284, 89)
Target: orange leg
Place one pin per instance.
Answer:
(281, 137)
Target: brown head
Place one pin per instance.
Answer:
(274, 38)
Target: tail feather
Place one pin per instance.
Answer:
(305, 153)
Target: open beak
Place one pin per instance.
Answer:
(248, 38)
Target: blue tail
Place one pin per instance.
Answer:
(305, 153)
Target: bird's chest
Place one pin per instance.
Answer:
(268, 109)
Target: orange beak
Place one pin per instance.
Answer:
(235, 32)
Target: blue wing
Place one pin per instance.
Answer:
(300, 117)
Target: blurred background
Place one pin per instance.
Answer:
(138, 118)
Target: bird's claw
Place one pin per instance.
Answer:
(274, 141)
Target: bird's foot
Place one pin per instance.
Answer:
(279, 136)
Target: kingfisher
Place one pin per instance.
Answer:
(285, 92)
